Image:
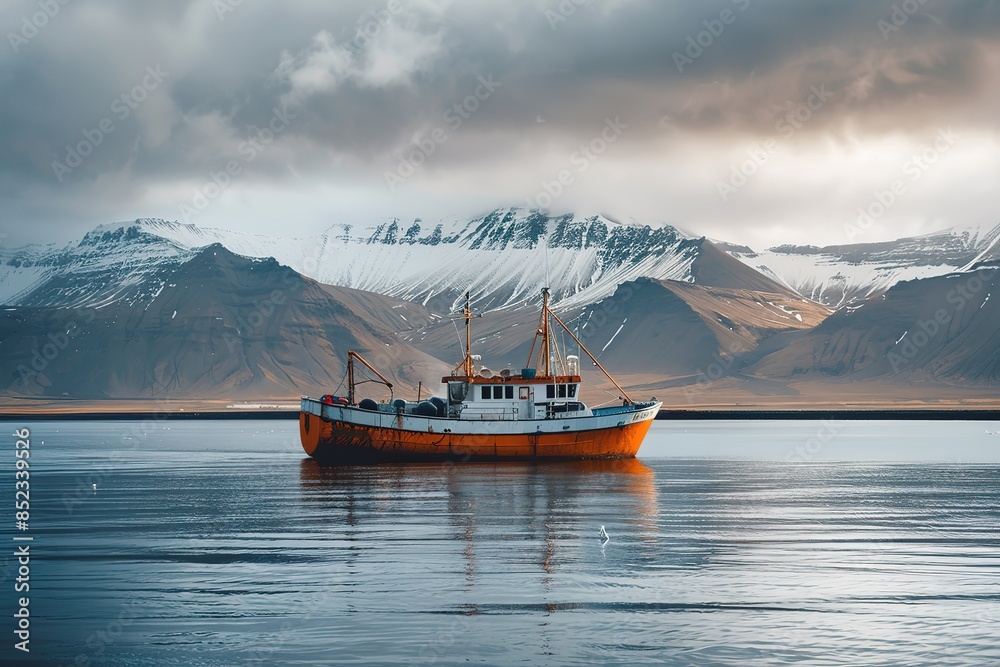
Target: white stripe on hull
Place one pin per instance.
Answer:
(359, 417)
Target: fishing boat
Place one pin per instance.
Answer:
(534, 414)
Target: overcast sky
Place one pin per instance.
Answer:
(346, 111)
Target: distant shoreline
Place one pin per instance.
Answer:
(139, 415)
(854, 414)
(926, 414)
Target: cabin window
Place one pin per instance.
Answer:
(508, 392)
(562, 391)
(567, 407)
(524, 393)
(550, 391)
(572, 391)
(498, 392)
(486, 393)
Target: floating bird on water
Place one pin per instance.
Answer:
(604, 536)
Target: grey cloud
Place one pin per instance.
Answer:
(559, 81)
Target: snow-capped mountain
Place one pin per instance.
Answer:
(844, 274)
(180, 311)
(224, 326)
(943, 329)
(112, 263)
(503, 257)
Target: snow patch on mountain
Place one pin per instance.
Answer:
(846, 274)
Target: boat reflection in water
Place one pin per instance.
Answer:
(483, 534)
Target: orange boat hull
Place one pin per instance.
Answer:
(337, 442)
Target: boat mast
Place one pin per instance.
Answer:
(351, 356)
(466, 365)
(545, 329)
(468, 337)
(543, 360)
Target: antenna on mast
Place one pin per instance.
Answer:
(546, 348)
(467, 314)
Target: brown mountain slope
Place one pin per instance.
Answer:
(220, 326)
(945, 329)
(715, 268)
(674, 328)
(386, 312)
(666, 328)
(729, 308)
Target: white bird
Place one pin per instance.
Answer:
(95, 487)
(604, 535)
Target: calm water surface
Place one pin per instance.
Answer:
(216, 543)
